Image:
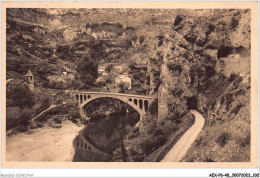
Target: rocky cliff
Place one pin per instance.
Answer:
(203, 63)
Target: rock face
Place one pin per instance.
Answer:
(190, 57)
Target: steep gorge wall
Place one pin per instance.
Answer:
(190, 59)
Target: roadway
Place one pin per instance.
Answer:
(179, 150)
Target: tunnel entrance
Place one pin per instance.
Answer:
(192, 102)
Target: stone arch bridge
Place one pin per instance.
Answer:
(139, 102)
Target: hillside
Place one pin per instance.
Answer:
(50, 40)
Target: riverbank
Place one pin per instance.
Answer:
(44, 144)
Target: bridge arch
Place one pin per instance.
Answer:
(138, 102)
(135, 107)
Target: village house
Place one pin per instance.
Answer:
(64, 77)
(117, 68)
(67, 68)
(101, 69)
(11, 85)
(28, 80)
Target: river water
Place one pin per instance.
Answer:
(108, 132)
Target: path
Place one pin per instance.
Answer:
(184, 143)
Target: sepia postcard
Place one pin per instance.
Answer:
(129, 85)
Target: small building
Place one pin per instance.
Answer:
(67, 68)
(28, 80)
(116, 68)
(101, 69)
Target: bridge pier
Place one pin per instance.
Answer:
(142, 116)
(82, 112)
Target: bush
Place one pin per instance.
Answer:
(75, 114)
(109, 80)
(175, 69)
(223, 139)
(57, 120)
(133, 133)
(234, 23)
(237, 108)
(229, 99)
(232, 77)
(244, 141)
(240, 92)
(153, 108)
(25, 118)
(151, 143)
(141, 39)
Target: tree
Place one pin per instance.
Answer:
(43, 69)
(132, 66)
(74, 84)
(123, 87)
(88, 70)
(22, 96)
(109, 80)
(109, 68)
(59, 85)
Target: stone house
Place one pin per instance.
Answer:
(28, 80)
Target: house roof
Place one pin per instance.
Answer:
(9, 80)
(122, 76)
(29, 73)
(17, 81)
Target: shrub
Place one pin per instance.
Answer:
(58, 120)
(178, 19)
(130, 28)
(229, 99)
(234, 23)
(232, 77)
(237, 108)
(75, 114)
(152, 141)
(240, 92)
(222, 100)
(244, 141)
(25, 118)
(160, 43)
(153, 108)
(209, 160)
(109, 80)
(133, 133)
(141, 39)
(175, 69)
(223, 138)
(236, 82)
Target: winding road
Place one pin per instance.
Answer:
(184, 143)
